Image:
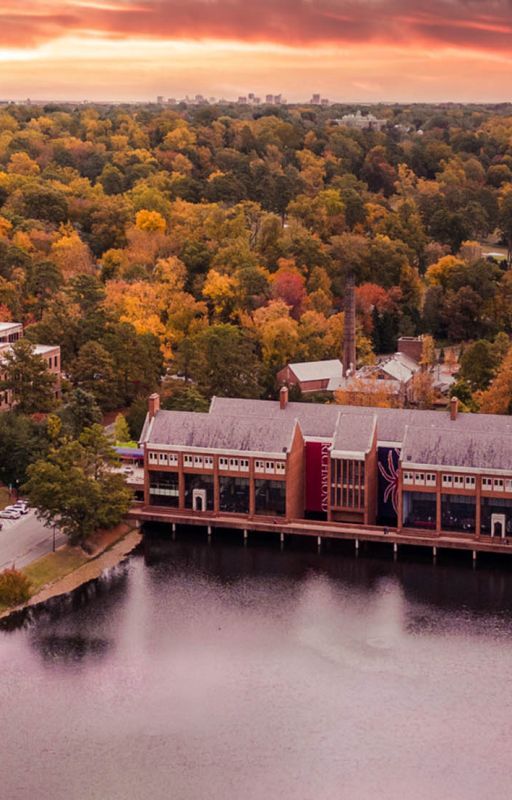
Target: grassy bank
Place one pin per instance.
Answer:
(64, 570)
(54, 566)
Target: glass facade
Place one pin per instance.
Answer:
(164, 489)
(495, 505)
(199, 492)
(419, 510)
(234, 495)
(458, 513)
(270, 497)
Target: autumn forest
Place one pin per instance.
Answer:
(211, 245)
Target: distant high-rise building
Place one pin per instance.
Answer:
(242, 101)
(269, 98)
(160, 100)
(315, 100)
(324, 101)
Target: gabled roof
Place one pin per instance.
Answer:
(318, 420)
(353, 436)
(317, 370)
(211, 432)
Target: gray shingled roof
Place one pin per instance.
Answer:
(319, 420)
(354, 435)
(448, 448)
(192, 429)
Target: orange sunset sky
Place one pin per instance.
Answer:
(349, 50)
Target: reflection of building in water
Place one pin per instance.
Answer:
(418, 470)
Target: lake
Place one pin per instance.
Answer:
(223, 672)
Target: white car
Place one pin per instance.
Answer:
(9, 514)
(21, 508)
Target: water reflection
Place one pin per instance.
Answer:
(217, 671)
(69, 648)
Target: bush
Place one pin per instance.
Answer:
(14, 587)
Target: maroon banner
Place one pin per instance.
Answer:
(317, 476)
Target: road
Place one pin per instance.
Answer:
(25, 539)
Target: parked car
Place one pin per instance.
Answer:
(21, 507)
(9, 514)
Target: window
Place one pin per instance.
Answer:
(233, 463)
(498, 485)
(198, 462)
(486, 483)
(153, 458)
(269, 466)
(173, 459)
(447, 480)
(244, 465)
(223, 463)
(470, 482)
(259, 466)
(431, 479)
(162, 457)
(281, 466)
(188, 461)
(408, 477)
(208, 461)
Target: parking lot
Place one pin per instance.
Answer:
(25, 539)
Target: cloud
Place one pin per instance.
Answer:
(463, 24)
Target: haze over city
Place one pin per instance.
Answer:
(375, 50)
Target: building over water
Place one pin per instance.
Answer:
(407, 469)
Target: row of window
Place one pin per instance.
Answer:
(420, 478)
(225, 464)
(449, 481)
(458, 481)
(496, 485)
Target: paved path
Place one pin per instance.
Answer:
(25, 539)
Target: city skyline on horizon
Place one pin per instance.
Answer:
(373, 51)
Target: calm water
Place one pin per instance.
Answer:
(224, 673)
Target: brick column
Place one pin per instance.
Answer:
(181, 483)
(400, 513)
(252, 489)
(216, 491)
(478, 508)
(438, 503)
(147, 496)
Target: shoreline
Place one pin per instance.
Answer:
(110, 556)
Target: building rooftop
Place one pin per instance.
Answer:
(447, 448)
(352, 440)
(317, 370)
(6, 326)
(318, 420)
(220, 432)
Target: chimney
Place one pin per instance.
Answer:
(283, 397)
(153, 404)
(454, 408)
(349, 333)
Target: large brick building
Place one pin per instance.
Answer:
(406, 469)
